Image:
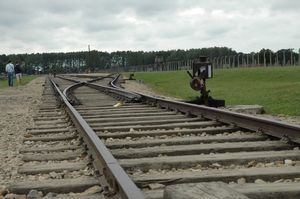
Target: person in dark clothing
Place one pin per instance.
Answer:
(18, 72)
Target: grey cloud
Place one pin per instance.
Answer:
(218, 31)
(54, 25)
(102, 25)
(285, 6)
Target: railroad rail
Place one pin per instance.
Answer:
(54, 160)
(137, 142)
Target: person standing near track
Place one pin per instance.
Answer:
(18, 72)
(9, 68)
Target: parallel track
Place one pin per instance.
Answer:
(160, 143)
(54, 158)
(161, 146)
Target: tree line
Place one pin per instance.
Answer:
(93, 61)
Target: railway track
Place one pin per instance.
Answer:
(151, 143)
(55, 161)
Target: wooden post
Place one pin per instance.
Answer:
(238, 61)
(283, 62)
(299, 58)
(270, 58)
(277, 60)
(257, 61)
(222, 62)
(214, 61)
(233, 61)
(253, 60)
(247, 64)
(265, 64)
(242, 61)
(291, 57)
(89, 57)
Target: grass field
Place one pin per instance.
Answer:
(25, 80)
(275, 88)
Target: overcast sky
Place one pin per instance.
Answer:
(31, 26)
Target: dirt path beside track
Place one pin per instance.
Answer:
(17, 107)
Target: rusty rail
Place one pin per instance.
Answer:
(268, 126)
(110, 171)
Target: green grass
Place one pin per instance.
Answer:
(275, 88)
(25, 80)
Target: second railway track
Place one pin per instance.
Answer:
(54, 160)
(160, 144)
